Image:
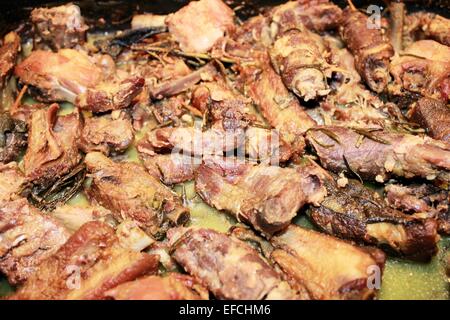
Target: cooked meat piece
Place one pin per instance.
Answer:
(280, 108)
(425, 200)
(370, 47)
(13, 138)
(52, 145)
(60, 27)
(110, 95)
(228, 267)
(267, 197)
(174, 286)
(180, 84)
(432, 115)
(316, 15)
(148, 20)
(327, 267)
(379, 154)
(72, 217)
(424, 68)
(59, 76)
(107, 134)
(428, 24)
(89, 264)
(200, 24)
(254, 34)
(27, 238)
(8, 55)
(130, 192)
(298, 57)
(131, 236)
(11, 181)
(356, 213)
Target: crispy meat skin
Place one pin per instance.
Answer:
(280, 108)
(424, 69)
(357, 213)
(370, 47)
(402, 155)
(8, 55)
(298, 57)
(432, 115)
(52, 151)
(174, 286)
(60, 76)
(27, 238)
(60, 27)
(130, 192)
(327, 267)
(90, 263)
(266, 197)
(13, 137)
(228, 267)
(11, 181)
(198, 25)
(110, 95)
(107, 134)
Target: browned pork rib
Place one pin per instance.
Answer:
(60, 27)
(59, 76)
(424, 199)
(13, 137)
(428, 24)
(378, 155)
(130, 192)
(8, 55)
(107, 133)
(52, 145)
(370, 47)
(27, 238)
(298, 56)
(267, 197)
(316, 15)
(423, 68)
(110, 95)
(280, 108)
(89, 264)
(327, 267)
(174, 286)
(228, 267)
(432, 115)
(11, 181)
(200, 24)
(356, 213)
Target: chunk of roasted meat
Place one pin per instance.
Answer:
(52, 145)
(266, 197)
(12, 181)
(228, 267)
(8, 55)
(433, 115)
(326, 267)
(280, 108)
(424, 68)
(59, 76)
(423, 200)
(356, 213)
(428, 24)
(59, 27)
(27, 238)
(130, 192)
(90, 263)
(370, 47)
(298, 56)
(13, 138)
(378, 154)
(174, 286)
(107, 133)
(200, 24)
